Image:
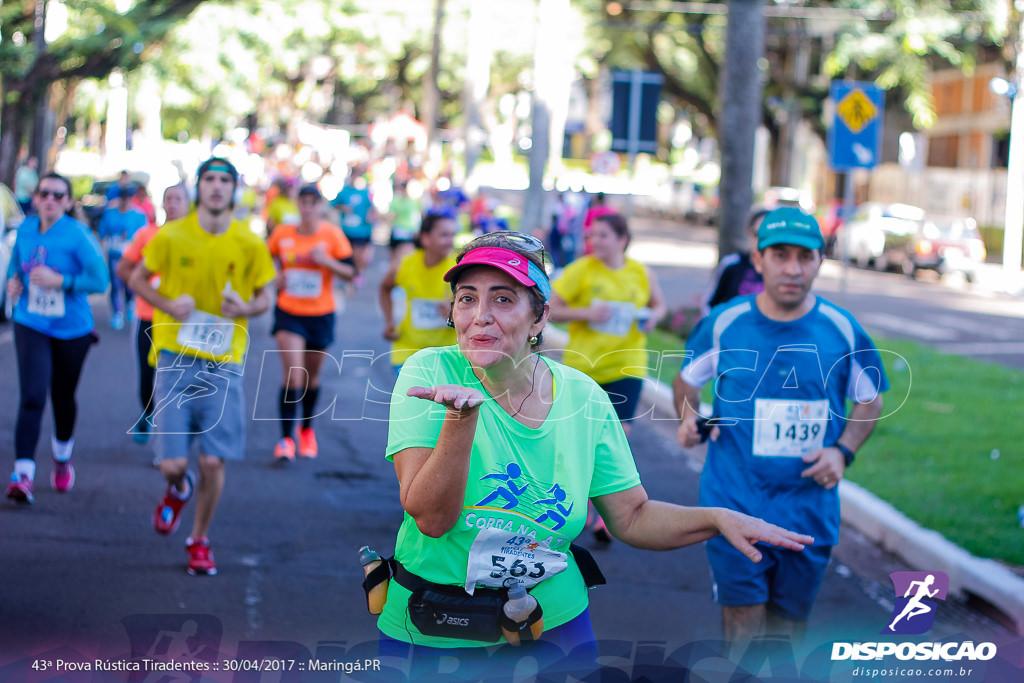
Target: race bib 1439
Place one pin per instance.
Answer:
(789, 428)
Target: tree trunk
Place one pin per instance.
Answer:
(741, 114)
(431, 94)
(595, 122)
(12, 125)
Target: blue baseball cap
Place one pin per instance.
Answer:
(789, 225)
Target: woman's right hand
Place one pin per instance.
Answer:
(452, 396)
(601, 313)
(390, 333)
(14, 289)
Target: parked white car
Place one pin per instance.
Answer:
(877, 234)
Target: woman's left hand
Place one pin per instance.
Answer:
(47, 277)
(451, 396)
(319, 255)
(743, 531)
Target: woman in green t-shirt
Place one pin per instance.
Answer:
(497, 450)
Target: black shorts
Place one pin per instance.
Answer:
(625, 396)
(400, 236)
(317, 330)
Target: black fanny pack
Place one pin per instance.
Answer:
(436, 611)
(450, 612)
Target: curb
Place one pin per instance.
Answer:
(922, 549)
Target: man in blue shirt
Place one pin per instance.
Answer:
(783, 363)
(355, 206)
(118, 225)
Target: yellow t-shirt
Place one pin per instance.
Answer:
(616, 349)
(283, 210)
(426, 314)
(194, 262)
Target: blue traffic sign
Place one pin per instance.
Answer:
(855, 137)
(635, 98)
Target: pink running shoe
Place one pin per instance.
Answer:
(62, 477)
(284, 451)
(20, 489)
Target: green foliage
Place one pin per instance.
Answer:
(957, 437)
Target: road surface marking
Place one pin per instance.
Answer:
(904, 326)
(983, 348)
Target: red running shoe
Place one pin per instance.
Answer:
(167, 516)
(307, 443)
(200, 559)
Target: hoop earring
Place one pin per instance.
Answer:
(534, 340)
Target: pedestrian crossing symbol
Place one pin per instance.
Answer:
(856, 110)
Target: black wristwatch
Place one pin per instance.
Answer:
(848, 455)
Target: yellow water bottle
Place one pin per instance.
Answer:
(519, 607)
(378, 595)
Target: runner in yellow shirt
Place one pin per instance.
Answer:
(427, 297)
(213, 277)
(611, 302)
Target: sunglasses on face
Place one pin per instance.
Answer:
(527, 243)
(44, 194)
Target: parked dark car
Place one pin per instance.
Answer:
(94, 201)
(946, 244)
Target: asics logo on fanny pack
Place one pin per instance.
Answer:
(452, 621)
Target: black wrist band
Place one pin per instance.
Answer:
(848, 455)
(70, 283)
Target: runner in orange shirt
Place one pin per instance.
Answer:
(308, 256)
(176, 205)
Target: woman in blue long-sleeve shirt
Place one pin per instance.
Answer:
(55, 265)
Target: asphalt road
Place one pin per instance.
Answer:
(84, 576)
(955, 317)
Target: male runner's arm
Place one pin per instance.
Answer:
(687, 402)
(178, 308)
(233, 306)
(830, 463)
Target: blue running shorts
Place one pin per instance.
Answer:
(786, 580)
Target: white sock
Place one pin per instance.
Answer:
(62, 449)
(26, 467)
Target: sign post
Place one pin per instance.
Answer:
(854, 141)
(634, 125)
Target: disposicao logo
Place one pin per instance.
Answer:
(916, 593)
(913, 613)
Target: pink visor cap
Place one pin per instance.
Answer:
(522, 269)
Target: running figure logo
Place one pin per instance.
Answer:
(914, 611)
